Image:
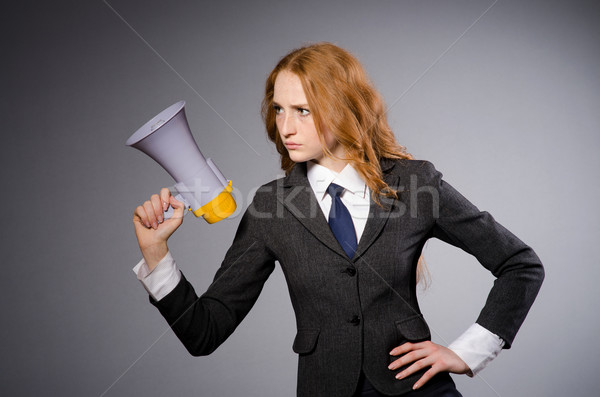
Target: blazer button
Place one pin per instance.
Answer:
(351, 271)
(354, 320)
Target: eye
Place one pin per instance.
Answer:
(303, 112)
(277, 109)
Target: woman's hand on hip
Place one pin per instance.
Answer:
(426, 354)
(152, 230)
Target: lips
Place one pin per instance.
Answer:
(292, 145)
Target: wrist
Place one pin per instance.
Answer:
(154, 253)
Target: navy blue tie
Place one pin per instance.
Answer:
(340, 221)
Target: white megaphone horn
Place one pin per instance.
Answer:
(200, 185)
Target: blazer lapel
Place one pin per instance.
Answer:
(298, 197)
(378, 216)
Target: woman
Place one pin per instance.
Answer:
(347, 225)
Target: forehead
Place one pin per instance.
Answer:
(288, 88)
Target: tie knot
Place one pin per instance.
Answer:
(334, 190)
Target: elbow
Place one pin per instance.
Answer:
(202, 345)
(201, 349)
(541, 274)
(534, 273)
(534, 277)
(536, 269)
(199, 353)
(532, 268)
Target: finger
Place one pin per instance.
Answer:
(175, 203)
(425, 378)
(165, 193)
(139, 215)
(158, 207)
(406, 347)
(408, 358)
(149, 208)
(415, 367)
(403, 348)
(178, 206)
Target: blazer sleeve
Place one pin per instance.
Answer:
(203, 323)
(518, 270)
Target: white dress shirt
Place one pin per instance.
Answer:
(476, 346)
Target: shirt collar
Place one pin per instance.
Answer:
(321, 177)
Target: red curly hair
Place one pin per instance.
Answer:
(342, 99)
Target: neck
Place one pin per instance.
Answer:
(334, 165)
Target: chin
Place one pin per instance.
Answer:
(297, 159)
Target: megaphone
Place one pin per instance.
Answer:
(203, 189)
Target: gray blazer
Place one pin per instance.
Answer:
(350, 312)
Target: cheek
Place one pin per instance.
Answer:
(310, 130)
(314, 137)
(329, 139)
(278, 126)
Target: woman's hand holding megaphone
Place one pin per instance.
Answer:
(152, 230)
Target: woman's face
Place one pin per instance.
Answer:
(297, 127)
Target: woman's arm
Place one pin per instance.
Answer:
(203, 323)
(518, 270)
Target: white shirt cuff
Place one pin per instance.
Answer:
(477, 347)
(160, 281)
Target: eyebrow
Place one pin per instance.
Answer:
(303, 105)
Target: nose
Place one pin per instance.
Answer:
(286, 125)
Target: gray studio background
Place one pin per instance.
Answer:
(504, 102)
